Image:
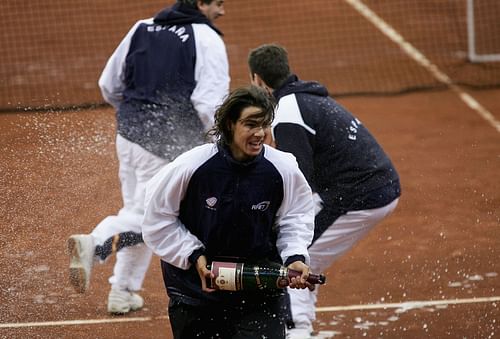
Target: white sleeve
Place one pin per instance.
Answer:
(162, 230)
(295, 219)
(112, 80)
(211, 73)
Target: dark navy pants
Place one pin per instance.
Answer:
(263, 319)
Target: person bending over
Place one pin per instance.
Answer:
(354, 182)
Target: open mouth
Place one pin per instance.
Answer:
(255, 145)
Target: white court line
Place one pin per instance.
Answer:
(422, 60)
(405, 305)
(82, 322)
(408, 304)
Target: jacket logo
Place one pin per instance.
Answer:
(211, 203)
(261, 206)
(180, 32)
(353, 129)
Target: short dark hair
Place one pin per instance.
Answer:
(194, 3)
(230, 111)
(270, 62)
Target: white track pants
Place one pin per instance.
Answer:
(332, 244)
(137, 166)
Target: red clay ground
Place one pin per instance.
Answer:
(58, 176)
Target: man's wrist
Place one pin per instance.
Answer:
(195, 255)
(294, 258)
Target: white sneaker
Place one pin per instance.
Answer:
(123, 301)
(299, 333)
(81, 250)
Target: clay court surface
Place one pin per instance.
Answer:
(431, 270)
(441, 247)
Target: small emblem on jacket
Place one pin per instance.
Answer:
(261, 206)
(211, 203)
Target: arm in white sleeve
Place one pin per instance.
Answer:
(211, 73)
(161, 228)
(112, 80)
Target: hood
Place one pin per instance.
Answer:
(294, 85)
(180, 14)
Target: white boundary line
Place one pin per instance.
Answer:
(82, 322)
(405, 305)
(422, 60)
(408, 305)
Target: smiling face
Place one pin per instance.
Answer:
(242, 122)
(249, 133)
(213, 10)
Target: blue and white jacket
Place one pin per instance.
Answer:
(206, 202)
(166, 78)
(346, 167)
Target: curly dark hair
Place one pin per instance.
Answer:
(230, 111)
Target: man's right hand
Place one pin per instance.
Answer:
(204, 273)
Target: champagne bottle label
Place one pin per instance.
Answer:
(227, 276)
(226, 279)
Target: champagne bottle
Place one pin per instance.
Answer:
(233, 276)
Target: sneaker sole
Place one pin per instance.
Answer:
(123, 310)
(118, 312)
(77, 276)
(133, 308)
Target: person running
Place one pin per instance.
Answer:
(165, 80)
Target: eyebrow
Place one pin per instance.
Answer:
(252, 119)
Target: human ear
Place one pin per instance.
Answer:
(253, 79)
(269, 139)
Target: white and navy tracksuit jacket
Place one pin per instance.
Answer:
(341, 160)
(207, 203)
(166, 79)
